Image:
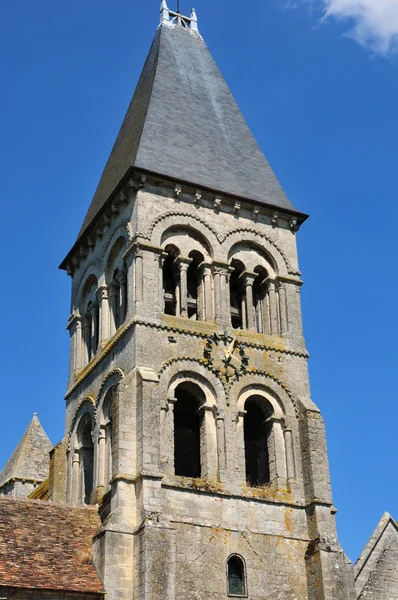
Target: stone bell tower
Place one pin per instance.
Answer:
(188, 411)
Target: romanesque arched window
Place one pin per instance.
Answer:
(236, 577)
(260, 300)
(195, 287)
(170, 281)
(188, 430)
(237, 295)
(86, 458)
(257, 429)
(89, 310)
(116, 277)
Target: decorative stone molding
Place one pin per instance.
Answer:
(114, 373)
(181, 215)
(89, 400)
(182, 331)
(264, 375)
(262, 236)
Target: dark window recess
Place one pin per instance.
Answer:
(169, 284)
(236, 295)
(236, 577)
(87, 458)
(186, 434)
(256, 432)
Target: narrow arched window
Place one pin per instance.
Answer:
(259, 299)
(86, 459)
(236, 577)
(257, 430)
(170, 281)
(195, 300)
(237, 297)
(187, 430)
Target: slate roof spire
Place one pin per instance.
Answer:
(30, 459)
(183, 123)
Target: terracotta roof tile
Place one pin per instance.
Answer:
(47, 546)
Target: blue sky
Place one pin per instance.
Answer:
(320, 95)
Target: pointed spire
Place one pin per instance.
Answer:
(30, 458)
(164, 12)
(194, 20)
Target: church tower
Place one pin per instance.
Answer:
(188, 412)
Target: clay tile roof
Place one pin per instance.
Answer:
(47, 546)
(30, 459)
(183, 122)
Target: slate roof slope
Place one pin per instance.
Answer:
(47, 546)
(184, 123)
(30, 459)
(376, 570)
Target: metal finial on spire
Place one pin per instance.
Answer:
(178, 6)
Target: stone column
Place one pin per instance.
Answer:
(102, 297)
(87, 338)
(217, 294)
(208, 443)
(94, 308)
(183, 264)
(240, 465)
(139, 278)
(273, 307)
(114, 304)
(248, 281)
(208, 294)
(220, 427)
(290, 466)
(75, 332)
(122, 280)
(167, 432)
(161, 300)
(221, 274)
(101, 459)
(276, 452)
(75, 483)
(283, 306)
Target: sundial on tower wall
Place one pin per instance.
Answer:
(226, 355)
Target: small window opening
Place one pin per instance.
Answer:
(87, 455)
(194, 284)
(259, 298)
(256, 432)
(187, 428)
(170, 281)
(237, 295)
(236, 577)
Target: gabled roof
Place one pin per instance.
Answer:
(30, 459)
(47, 546)
(381, 549)
(184, 123)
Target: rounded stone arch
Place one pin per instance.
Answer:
(198, 226)
(92, 270)
(111, 380)
(86, 407)
(181, 370)
(121, 232)
(259, 241)
(266, 385)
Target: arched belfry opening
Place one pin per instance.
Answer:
(188, 430)
(259, 298)
(170, 281)
(257, 430)
(237, 295)
(195, 286)
(85, 440)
